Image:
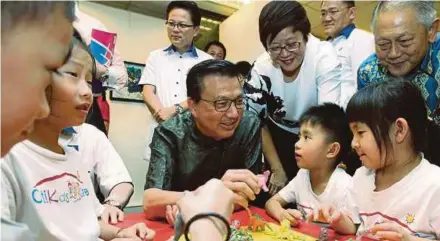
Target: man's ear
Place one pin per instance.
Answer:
(192, 107)
(432, 34)
(333, 151)
(352, 14)
(196, 31)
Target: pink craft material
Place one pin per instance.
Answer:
(262, 180)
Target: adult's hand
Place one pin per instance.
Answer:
(164, 114)
(206, 199)
(171, 214)
(242, 182)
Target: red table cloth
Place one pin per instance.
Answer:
(164, 231)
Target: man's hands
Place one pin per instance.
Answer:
(243, 183)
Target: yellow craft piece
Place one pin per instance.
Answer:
(281, 233)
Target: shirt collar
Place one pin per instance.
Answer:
(345, 31)
(69, 131)
(192, 50)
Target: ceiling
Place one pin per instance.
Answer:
(220, 10)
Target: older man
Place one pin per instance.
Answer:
(353, 45)
(408, 47)
(216, 138)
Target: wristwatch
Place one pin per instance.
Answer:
(113, 203)
(179, 108)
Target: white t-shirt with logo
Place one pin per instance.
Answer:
(299, 190)
(412, 203)
(51, 193)
(105, 165)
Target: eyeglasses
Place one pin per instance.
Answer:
(171, 25)
(290, 47)
(332, 12)
(225, 104)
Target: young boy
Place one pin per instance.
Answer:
(324, 142)
(29, 29)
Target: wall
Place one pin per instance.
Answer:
(239, 33)
(137, 36)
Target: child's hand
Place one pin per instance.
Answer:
(138, 231)
(338, 220)
(390, 231)
(327, 214)
(292, 215)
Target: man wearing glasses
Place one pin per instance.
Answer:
(163, 79)
(353, 45)
(408, 48)
(216, 138)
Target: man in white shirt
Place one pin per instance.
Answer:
(164, 76)
(116, 72)
(353, 45)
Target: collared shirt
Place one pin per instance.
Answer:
(426, 76)
(353, 47)
(166, 69)
(183, 158)
(117, 72)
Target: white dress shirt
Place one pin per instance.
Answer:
(353, 47)
(166, 69)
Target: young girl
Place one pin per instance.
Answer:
(397, 192)
(324, 141)
(44, 185)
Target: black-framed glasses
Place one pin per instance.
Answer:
(223, 105)
(332, 12)
(290, 47)
(171, 25)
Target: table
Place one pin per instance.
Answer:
(164, 231)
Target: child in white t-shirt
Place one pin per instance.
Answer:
(324, 141)
(396, 194)
(46, 186)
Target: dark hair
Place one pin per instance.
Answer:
(379, 105)
(243, 68)
(216, 43)
(350, 4)
(190, 6)
(14, 12)
(333, 120)
(197, 74)
(278, 15)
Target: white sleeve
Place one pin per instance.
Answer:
(348, 80)
(349, 206)
(434, 219)
(328, 78)
(109, 167)
(117, 73)
(12, 231)
(149, 75)
(10, 192)
(288, 193)
(362, 48)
